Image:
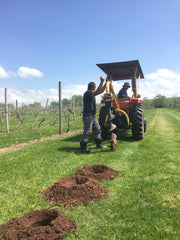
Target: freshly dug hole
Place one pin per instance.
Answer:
(97, 172)
(73, 190)
(99, 168)
(42, 224)
(81, 180)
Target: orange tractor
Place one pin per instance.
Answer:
(122, 113)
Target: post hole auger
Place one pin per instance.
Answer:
(121, 113)
(109, 97)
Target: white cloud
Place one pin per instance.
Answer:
(31, 96)
(162, 73)
(3, 73)
(25, 97)
(69, 91)
(27, 72)
(163, 81)
(24, 72)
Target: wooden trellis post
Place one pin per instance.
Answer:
(46, 107)
(60, 109)
(74, 110)
(17, 108)
(6, 112)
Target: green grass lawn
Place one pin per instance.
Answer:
(26, 134)
(143, 201)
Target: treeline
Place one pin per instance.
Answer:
(76, 100)
(161, 101)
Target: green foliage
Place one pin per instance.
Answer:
(147, 103)
(174, 102)
(143, 201)
(78, 100)
(66, 102)
(54, 104)
(160, 101)
(10, 106)
(35, 105)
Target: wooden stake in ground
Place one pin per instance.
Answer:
(6, 112)
(74, 110)
(60, 109)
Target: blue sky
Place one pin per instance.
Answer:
(43, 42)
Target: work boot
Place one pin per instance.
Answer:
(83, 146)
(99, 143)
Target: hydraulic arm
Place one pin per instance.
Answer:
(108, 103)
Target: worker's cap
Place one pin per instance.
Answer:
(126, 84)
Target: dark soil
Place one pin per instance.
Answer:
(42, 224)
(75, 189)
(53, 224)
(98, 172)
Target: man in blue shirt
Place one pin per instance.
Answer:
(123, 92)
(89, 112)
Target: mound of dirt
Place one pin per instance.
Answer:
(97, 172)
(73, 190)
(42, 224)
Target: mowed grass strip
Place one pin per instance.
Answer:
(142, 203)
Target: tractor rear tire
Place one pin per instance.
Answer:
(104, 130)
(145, 125)
(138, 125)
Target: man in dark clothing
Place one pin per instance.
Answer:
(123, 92)
(89, 112)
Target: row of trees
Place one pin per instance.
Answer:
(77, 99)
(157, 102)
(161, 101)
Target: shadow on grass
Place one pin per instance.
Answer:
(125, 136)
(77, 150)
(76, 138)
(70, 149)
(121, 136)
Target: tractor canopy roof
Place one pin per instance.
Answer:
(122, 70)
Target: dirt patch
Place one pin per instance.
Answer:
(73, 190)
(98, 172)
(42, 224)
